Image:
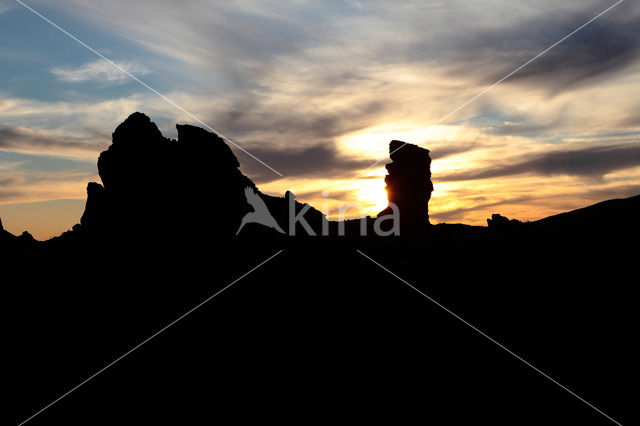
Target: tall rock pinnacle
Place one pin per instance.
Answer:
(409, 184)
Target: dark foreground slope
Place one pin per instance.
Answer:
(319, 334)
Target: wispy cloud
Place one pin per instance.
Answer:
(591, 162)
(99, 71)
(22, 139)
(77, 127)
(319, 160)
(33, 178)
(449, 149)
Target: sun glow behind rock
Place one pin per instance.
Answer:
(373, 142)
(371, 194)
(338, 199)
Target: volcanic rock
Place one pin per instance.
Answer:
(409, 184)
(181, 189)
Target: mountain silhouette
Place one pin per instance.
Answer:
(318, 334)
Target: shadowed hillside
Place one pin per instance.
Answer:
(319, 332)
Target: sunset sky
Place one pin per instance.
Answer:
(318, 89)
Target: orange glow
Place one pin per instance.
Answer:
(372, 195)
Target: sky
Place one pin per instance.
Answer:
(318, 89)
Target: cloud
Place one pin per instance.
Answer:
(305, 124)
(602, 49)
(9, 195)
(26, 140)
(99, 71)
(591, 162)
(449, 149)
(486, 53)
(6, 181)
(79, 127)
(620, 191)
(314, 161)
(25, 177)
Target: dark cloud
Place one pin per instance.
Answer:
(319, 161)
(623, 191)
(602, 48)
(252, 114)
(12, 138)
(6, 180)
(99, 135)
(296, 142)
(449, 149)
(591, 162)
(9, 194)
(605, 46)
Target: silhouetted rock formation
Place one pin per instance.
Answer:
(185, 189)
(499, 221)
(10, 242)
(26, 236)
(409, 183)
(154, 185)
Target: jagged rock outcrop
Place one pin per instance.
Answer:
(498, 221)
(152, 184)
(187, 188)
(27, 237)
(409, 184)
(8, 241)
